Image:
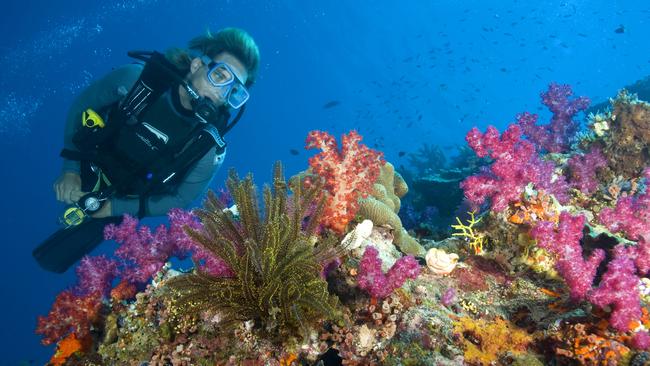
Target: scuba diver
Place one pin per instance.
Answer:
(148, 137)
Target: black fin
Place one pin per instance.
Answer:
(66, 246)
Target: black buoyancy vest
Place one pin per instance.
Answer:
(160, 133)
(148, 145)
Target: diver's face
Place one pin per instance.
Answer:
(202, 85)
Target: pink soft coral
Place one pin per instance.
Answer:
(583, 168)
(563, 241)
(147, 252)
(348, 173)
(142, 254)
(556, 136)
(379, 285)
(516, 164)
(631, 214)
(619, 288)
(632, 217)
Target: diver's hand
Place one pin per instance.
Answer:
(67, 187)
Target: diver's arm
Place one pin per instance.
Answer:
(99, 94)
(195, 184)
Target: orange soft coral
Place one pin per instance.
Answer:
(67, 347)
(534, 207)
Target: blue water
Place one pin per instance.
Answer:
(404, 73)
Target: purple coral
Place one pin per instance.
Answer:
(631, 214)
(449, 297)
(379, 285)
(148, 252)
(516, 164)
(96, 275)
(556, 136)
(583, 170)
(619, 286)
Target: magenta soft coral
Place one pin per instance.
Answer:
(632, 217)
(349, 173)
(619, 285)
(631, 214)
(556, 136)
(563, 241)
(379, 285)
(516, 163)
(147, 252)
(583, 167)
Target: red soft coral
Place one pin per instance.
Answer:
(348, 173)
(70, 313)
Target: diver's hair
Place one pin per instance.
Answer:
(232, 40)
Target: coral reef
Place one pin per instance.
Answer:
(551, 267)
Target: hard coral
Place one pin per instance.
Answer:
(534, 206)
(589, 346)
(349, 174)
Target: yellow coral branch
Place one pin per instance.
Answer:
(475, 240)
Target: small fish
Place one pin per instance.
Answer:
(294, 152)
(331, 104)
(401, 153)
(620, 29)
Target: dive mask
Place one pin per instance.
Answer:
(221, 76)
